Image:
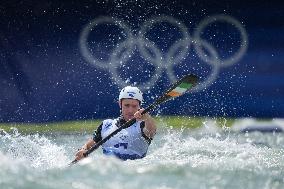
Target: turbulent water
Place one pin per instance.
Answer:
(176, 159)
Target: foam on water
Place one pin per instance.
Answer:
(37, 150)
(177, 159)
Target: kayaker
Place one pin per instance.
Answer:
(132, 142)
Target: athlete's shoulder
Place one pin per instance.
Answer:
(110, 120)
(107, 120)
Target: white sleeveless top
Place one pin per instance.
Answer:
(129, 143)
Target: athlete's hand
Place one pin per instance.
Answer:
(138, 115)
(80, 154)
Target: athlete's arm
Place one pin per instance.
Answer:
(85, 147)
(96, 137)
(150, 126)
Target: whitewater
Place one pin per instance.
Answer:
(177, 158)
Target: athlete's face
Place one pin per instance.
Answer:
(129, 107)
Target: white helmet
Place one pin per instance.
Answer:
(132, 93)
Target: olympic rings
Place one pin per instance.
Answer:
(238, 55)
(160, 19)
(162, 61)
(115, 75)
(215, 70)
(84, 37)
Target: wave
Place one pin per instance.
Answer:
(176, 159)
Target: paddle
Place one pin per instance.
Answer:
(177, 89)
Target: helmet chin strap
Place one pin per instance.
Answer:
(120, 109)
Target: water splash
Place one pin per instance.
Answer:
(176, 159)
(35, 150)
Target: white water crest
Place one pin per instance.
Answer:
(38, 151)
(176, 159)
